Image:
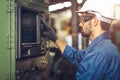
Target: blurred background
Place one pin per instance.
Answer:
(65, 22)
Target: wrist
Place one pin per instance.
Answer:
(61, 45)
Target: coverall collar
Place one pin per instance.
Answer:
(104, 35)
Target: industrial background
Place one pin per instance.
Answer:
(25, 54)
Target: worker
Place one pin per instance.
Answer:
(101, 59)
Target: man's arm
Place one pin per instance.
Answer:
(71, 54)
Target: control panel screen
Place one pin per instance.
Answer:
(28, 26)
(29, 40)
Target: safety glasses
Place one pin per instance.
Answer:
(86, 17)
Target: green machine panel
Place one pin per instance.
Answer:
(32, 55)
(7, 37)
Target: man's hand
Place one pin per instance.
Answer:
(48, 32)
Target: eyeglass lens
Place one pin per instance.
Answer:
(85, 18)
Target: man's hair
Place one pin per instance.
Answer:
(105, 26)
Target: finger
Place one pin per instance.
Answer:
(45, 33)
(45, 26)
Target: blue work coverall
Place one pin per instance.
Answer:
(100, 61)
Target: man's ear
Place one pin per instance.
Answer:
(95, 21)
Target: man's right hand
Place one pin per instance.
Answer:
(48, 32)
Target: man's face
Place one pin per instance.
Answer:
(86, 24)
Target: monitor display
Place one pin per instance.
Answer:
(30, 43)
(28, 26)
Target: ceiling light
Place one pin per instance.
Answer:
(67, 4)
(79, 1)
